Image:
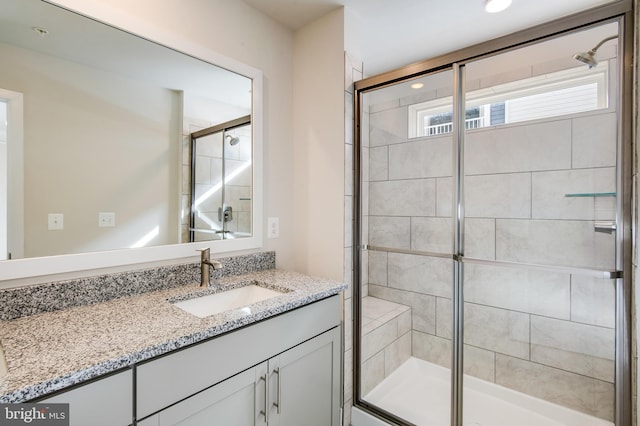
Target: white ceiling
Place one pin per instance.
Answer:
(394, 33)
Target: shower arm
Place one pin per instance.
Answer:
(603, 42)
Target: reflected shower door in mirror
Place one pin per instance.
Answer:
(221, 182)
(104, 112)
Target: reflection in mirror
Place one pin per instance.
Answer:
(221, 182)
(106, 125)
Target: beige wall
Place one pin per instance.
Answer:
(318, 123)
(71, 148)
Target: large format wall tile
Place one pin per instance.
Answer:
(444, 317)
(479, 363)
(519, 148)
(397, 352)
(480, 238)
(432, 157)
(431, 348)
(554, 242)
(420, 274)
(537, 292)
(497, 330)
(493, 329)
(379, 163)
(501, 196)
(423, 307)
(378, 338)
(593, 301)
(388, 127)
(580, 348)
(444, 197)
(594, 141)
(415, 197)
(377, 267)
(372, 372)
(582, 393)
(550, 189)
(434, 234)
(394, 232)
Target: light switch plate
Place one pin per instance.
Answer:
(273, 227)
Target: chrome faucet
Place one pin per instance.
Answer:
(205, 263)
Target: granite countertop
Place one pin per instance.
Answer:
(53, 350)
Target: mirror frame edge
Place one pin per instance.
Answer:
(50, 265)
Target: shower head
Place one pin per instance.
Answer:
(589, 58)
(233, 140)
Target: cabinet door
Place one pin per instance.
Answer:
(237, 401)
(304, 383)
(107, 401)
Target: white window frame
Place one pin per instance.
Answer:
(572, 77)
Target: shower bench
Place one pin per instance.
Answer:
(386, 339)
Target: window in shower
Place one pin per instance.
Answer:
(567, 91)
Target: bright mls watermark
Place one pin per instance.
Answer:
(34, 414)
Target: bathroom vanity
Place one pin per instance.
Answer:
(143, 360)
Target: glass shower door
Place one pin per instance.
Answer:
(540, 202)
(407, 233)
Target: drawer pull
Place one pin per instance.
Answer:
(277, 404)
(265, 412)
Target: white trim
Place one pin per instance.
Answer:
(15, 171)
(505, 92)
(32, 267)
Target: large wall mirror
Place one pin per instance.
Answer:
(97, 162)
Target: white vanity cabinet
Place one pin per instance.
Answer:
(289, 364)
(296, 388)
(304, 382)
(104, 402)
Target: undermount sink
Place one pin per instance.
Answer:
(237, 298)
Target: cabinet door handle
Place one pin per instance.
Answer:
(265, 413)
(277, 404)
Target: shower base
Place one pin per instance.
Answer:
(419, 392)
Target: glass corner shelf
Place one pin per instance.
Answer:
(591, 194)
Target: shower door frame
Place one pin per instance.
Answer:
(620, 12)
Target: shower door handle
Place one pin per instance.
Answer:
(605, 226)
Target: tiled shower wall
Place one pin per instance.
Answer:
(547, 334)
(353, 72)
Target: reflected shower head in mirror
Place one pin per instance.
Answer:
(233, 140)
(589, 57)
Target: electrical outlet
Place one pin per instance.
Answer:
(273, 227)
(55, 221)
(106, 220)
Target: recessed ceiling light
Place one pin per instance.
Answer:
(495, 6)
(417, 85)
